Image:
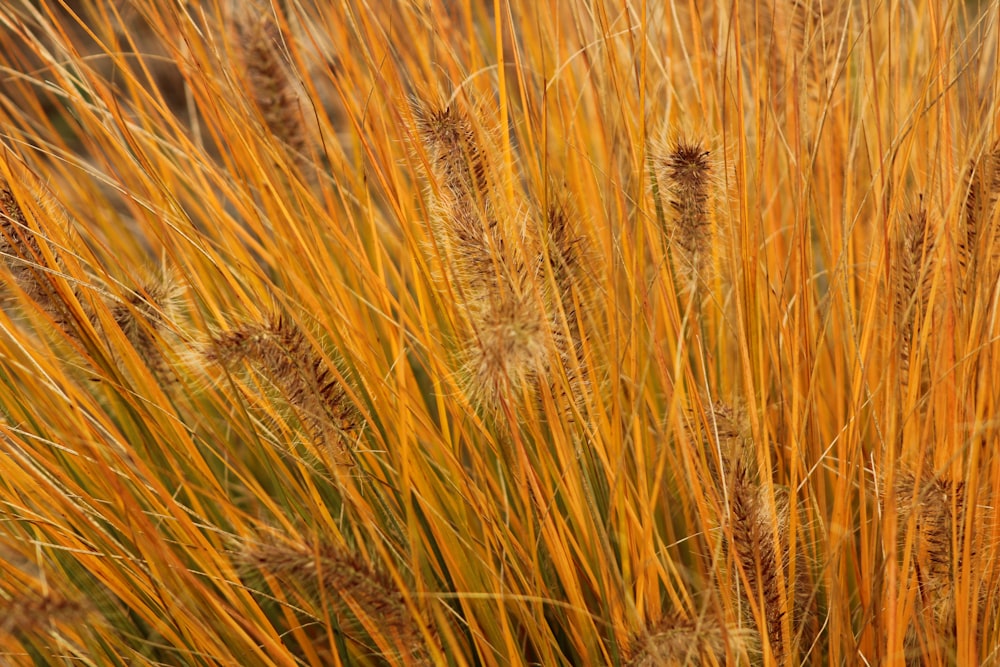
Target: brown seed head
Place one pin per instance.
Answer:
(22, 253)
(458, 161)
(371, 596)
(36, 613)
(272, 87)
(144, 317)
(677, 641)
(685, 174)
(914, 275)
(280, 351)
(510, 349)
(760, 542)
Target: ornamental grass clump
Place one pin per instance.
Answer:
(480, 334)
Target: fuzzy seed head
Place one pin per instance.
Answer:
(936, 508)
(36, 613)
(272, 88)
(281, 352)
(20, 248)
(913, 288)
(685, 173)
(977, 237)
(19, 245)
(371, 596)
(677, 641)
(144, 317)
(759, 524)
(457, 159)
(510, 349)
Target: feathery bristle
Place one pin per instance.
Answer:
(473, 246)
(816, 36)
(804, 39)
(20, 248)
(937, 509)
(565, 246)
(760, 542)
(567, 256)
(979, 228)
(566, 253)
(25, 260)
(457, 158)
(464, 220)
(758, 556)
(509, 351)
(974, 211)
(725, 437)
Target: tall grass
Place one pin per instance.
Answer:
(512, 333)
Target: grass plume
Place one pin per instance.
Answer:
(675, 641)
(354, 586)
(272, 88)
(32, 269)
(685, 172)
(280, 350)
(39, 613)
(913, 289)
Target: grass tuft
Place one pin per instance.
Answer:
(377, 333)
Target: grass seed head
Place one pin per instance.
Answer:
(935, 509)
(23, 255)
(675, 641)
(331, 571)
(280, 350)
(272, 88)
(685, 176)
(457, 158)
(37, 613)
(760, 522)
(145, 317)
(915, 252)
(510, 350)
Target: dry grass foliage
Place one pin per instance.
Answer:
(379, 333)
